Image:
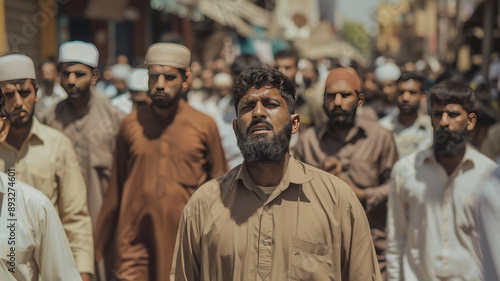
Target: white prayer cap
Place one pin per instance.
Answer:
(223, 79)
(388, 71)
(138, 80)
(121, 71)
(13, 67)
(78, 51)
(168, 54)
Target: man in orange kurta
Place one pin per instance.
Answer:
(164, 152)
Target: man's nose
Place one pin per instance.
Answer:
(72, 79)
(161, 83)
(445, 120)
(258, 112)
(338, 100)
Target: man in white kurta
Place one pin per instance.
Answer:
(431, 221)
(32, 240)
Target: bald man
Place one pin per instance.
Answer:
(358, 151)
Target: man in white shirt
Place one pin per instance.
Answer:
(32, 240)
(431, 222)
(412, 129)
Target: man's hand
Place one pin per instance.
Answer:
(85, 276)
(360, 193)
(332, 165)
(4, 128)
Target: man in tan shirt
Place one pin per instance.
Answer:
(44, 158)
(272, 217)
(360, 152)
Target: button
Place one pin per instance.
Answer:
(265, 242)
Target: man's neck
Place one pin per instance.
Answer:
(17, 136)
(450, 163)
(48, 89)
(407, 119)
(165, 113)
(80, 106)
(341, 131)
(268, 174)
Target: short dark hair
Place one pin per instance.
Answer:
(287, 53)
(262, 76)
(243, 62)
(412, 75)
(452, 92)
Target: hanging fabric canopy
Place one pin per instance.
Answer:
(239, 14)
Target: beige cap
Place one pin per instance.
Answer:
(13, 67)
(138, 80)
(78, 51)
(169, 54)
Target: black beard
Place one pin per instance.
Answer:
(448, 143)
(258, 149)
(19, 123)
(344, 119)
(165, 103)
(81, 93)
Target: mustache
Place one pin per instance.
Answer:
(337, 110)
(445, 134)
(253, 123)
(160, 93)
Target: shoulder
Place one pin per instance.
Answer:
(105, 106)
(386, 122)
(327, 186)
(53, 136)
(375, 130)
(481, 161)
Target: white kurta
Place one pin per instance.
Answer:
(32, 239)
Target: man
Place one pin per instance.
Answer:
(137, 95)
(272, 217)
(358, 151)
(489, 226)
(386, 76)
(308, 107)
(87, 118)
(432, 220)
(44, 158)
(412, 130)
(40, 247)
(50, 91)
(164, 152)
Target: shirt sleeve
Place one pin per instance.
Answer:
(73, 209)
(186, 263)
(216, 157)
(377, 195)
(358, 253)
(396, 228)
(53, 253)
(108, 218)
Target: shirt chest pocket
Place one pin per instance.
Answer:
(43, 179)
(308, 260)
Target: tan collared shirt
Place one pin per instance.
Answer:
(312, 227)
(47, 161)
(417, 136)
(32, 239)
(431, 222)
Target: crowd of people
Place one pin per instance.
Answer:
(234, 170)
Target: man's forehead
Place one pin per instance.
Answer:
(266, 91)
(346, 75)
(158, 68)
(14, 83)
(339, 86)
(446, 106)
(74, 66)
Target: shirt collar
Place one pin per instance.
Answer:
(467, 160)
(295, 173)
(35, 129)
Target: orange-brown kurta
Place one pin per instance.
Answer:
(157, 166)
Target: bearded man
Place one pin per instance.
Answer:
(272, 217)
(431, 222)
(165, 150)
